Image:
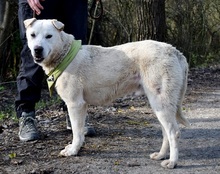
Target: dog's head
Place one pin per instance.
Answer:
(45, 38)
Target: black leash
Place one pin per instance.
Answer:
(96, 10)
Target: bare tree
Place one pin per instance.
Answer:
(193, 26)
(8, 13)
(133, 20)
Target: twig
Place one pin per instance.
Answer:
(4, 83)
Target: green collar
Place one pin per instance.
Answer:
(55, 73)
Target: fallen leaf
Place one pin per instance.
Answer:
(12, 155)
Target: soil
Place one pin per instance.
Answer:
(127, 133)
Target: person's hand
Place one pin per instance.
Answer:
(36, 5)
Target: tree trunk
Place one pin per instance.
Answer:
(7, 21)
(153, 19)
(158, 11)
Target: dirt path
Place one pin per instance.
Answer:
(127, 132)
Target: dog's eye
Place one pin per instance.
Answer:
(33, 35)
(48, 36)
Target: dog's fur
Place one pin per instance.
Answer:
(99, 75)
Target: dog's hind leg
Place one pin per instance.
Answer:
(171, 129)
(77, 112)
(166, 114)
(165, 108)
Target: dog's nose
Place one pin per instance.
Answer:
(38, 50)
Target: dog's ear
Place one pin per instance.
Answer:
(29, 22)
(58, 25)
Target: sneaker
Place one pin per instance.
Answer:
(27, 127)
(89, 130)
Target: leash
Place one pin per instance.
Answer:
(95, 14)
(34, 14)
(93, 10)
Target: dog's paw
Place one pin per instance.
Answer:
(168, 164)
(69, 151)
(157, 156)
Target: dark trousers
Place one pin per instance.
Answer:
(73, 13)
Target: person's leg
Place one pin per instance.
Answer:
(74, 15)
(30, 74)
(28, 83)
(75, 18)
(51, 9)
(29, 80)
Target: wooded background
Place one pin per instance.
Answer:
(191, 26)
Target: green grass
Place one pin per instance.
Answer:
(2, 88)
(43, 103)
(8, 114)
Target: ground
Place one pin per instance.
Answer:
(127, 133)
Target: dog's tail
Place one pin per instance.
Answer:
(184, 65)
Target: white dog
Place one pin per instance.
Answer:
(98, 75)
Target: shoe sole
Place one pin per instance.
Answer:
(34, 137)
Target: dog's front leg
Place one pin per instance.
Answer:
(77, 113)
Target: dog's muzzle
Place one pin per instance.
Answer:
(38, 53)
